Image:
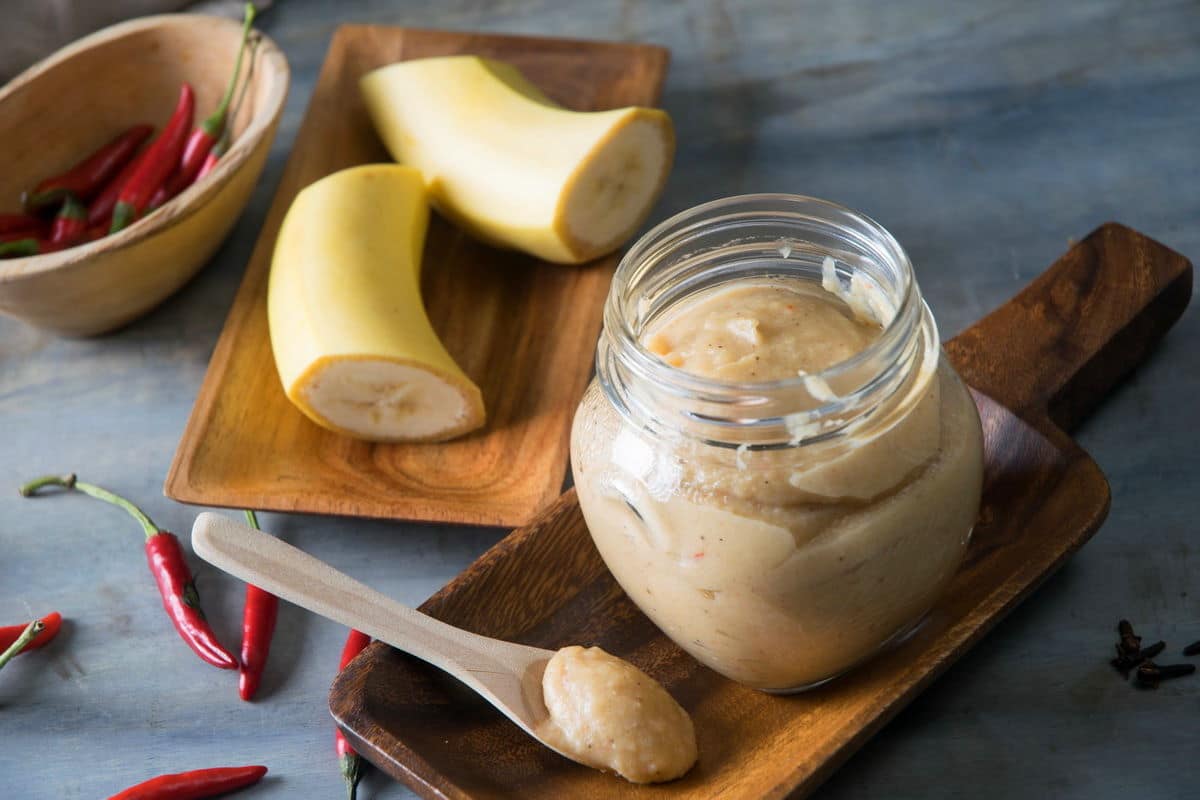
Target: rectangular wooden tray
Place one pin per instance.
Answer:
(523, 330)
(1049, 355)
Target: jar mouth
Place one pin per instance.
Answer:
(861, 235)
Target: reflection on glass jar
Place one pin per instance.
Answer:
(774, 459)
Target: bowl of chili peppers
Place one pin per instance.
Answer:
(129, 155)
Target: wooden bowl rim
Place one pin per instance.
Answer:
(272, 60)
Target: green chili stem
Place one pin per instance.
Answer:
(351, 766)
(28, 635)
(215, 122)
(252, 519)
(100, 493)
(221, 146)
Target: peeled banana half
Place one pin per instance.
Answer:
(352, 342)
(513, 167)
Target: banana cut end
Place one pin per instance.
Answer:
(382, 400)
(615, 187)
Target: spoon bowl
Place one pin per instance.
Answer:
(507, 675)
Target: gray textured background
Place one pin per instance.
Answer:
(984, 135)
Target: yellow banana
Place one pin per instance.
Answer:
(511, 166)
(352, 342)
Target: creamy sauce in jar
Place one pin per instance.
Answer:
(781, 568)
(753, 332)
(608, 714)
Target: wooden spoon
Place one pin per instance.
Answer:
(507, 675)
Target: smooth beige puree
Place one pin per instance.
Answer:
(782, 568)
(608, 714)
(759, 332)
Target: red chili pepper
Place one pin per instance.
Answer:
(356, 642)
(9, 633)
(258, 625)
(21, 224)
(169, 568)
(202, 139)
(162, 195)
(71, 223)
(216, 154)
(194, 785)
(154, 168)
(23, 640)
(100, 211)
(210, 161)
(349, 762)
(87, 177)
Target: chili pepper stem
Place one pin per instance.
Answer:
(221, 146)
(65, 481)
(123, 216)
(28, 635)
(18, 248)
(352, 771)
(214, 123)
(70, 482)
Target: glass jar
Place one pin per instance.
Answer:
(779, 531)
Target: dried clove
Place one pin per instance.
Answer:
(1130, 644)
(1124, 663)
(1150, 652)
(1131, 654)
(1129, 649)
(1150, 674)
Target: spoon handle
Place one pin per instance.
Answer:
(289, 573)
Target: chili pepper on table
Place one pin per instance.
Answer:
(156, 165)
(206, 134)
(87, 177)
(258, 625)
(29, 634)
(167, 564)
(194, 785)
(70, 224)
(21, 224)
(51, 624)
(349, 761)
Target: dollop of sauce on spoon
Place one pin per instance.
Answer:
(608, 714)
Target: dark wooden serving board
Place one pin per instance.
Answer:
(1039, 364)
(522, 329)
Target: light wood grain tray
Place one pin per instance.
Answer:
(523, 330)
(1041, 362)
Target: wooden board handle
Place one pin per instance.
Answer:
(1054, 351)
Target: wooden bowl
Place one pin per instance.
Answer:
(60, 110)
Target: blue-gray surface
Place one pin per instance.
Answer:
(984, 135)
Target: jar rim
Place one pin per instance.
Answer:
(669, 233)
